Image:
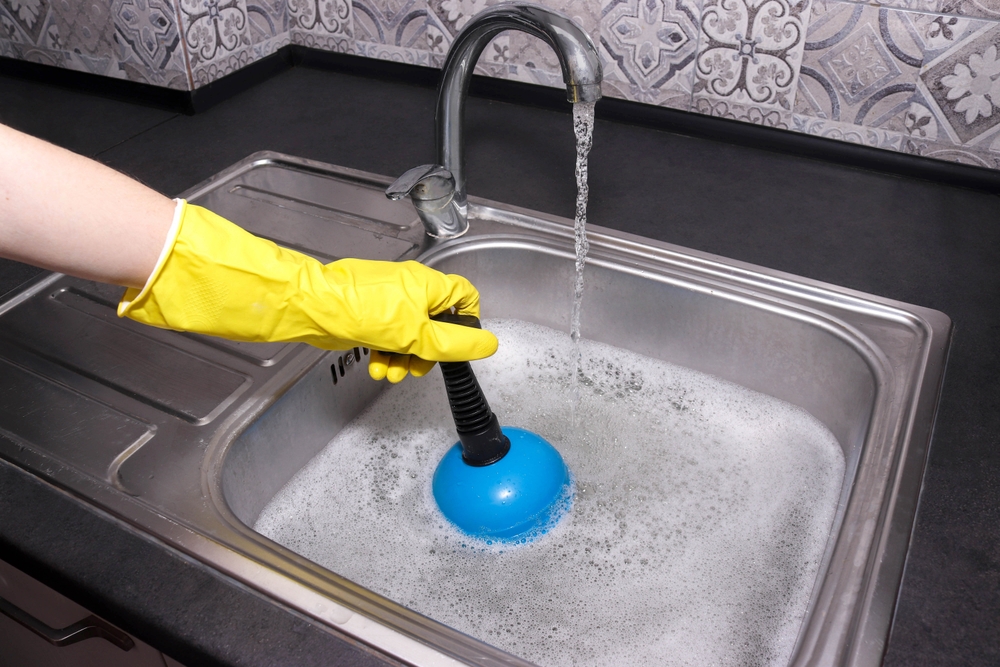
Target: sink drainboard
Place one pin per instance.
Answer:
(189, 437)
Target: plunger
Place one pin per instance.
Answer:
(505, 484)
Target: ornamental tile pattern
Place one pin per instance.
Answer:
(746, 113)
(146, 30)
(321, 17)
(914, 76)
(84, 27)
(267, 20)
(951, 153)
(401, 23)
(131, 39)
(847, 132)
(332, 43)
(987, 9)
(23, 21)
(649, 48)
(213, 28)
(928, 6)
(222, 36)
(148, 43)
(750, 51)
(860, 64)
(961, 88)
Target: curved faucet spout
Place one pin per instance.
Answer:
(581, 67)
(446, 215)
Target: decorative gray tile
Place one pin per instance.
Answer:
(267, 19)
(228, 62)
(854, 134)
(394, 53)
(321, 17)
(10, 33)
(332, 43)
(750, 51)
(649, 48)
(860, 64)
(267, 47)
(399, 23)
(962, 90)
(102, 65)
(11, 49)
(23, 21)
(766, 116)
(35, 54)
(916, 121)
(499, 57)
(213, 29)
(222, 36)
(951, 153)
(454, 14)
(51, 37)
(84, 27)
(175, 79)
(221, 66)
(939, 32)
(987, 9)
(148, 43)
(929, 6)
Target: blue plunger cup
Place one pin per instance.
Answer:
(505, 484)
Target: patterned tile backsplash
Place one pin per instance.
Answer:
(913, 76)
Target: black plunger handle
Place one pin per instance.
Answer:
(479, 431)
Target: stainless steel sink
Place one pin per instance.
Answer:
(188, 437)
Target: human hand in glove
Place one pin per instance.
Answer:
(215, 278)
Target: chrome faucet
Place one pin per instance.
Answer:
(438, 190)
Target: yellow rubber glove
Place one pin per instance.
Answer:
(215, 278)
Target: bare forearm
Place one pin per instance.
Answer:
(64, 212)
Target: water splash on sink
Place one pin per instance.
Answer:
(701, 515)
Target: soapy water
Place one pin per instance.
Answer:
(701, 513)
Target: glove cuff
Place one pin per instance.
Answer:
(133, 295)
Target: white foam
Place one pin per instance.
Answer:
(701, 514)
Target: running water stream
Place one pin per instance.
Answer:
(583, 128)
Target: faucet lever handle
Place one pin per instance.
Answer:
(423, 183)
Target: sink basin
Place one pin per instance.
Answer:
(189, 437)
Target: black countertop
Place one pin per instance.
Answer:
(915, 241)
